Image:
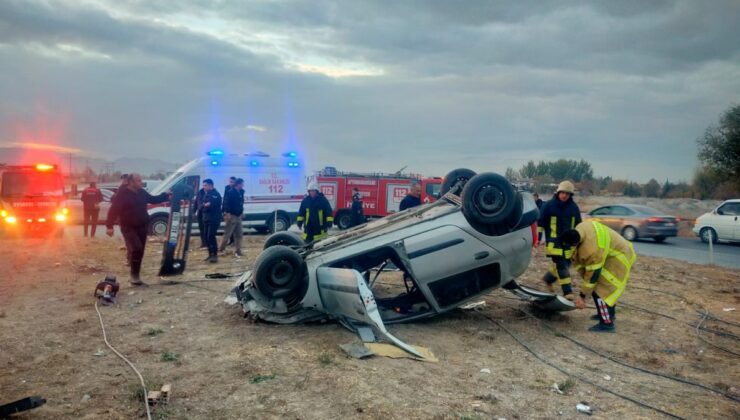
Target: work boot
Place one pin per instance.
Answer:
(238, 254)
(213, 259)
(596, 317)
(603, 328)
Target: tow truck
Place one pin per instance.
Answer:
(32, 200)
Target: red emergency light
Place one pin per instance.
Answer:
(44, 167)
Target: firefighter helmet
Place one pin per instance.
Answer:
(566, 186)
(313, 185)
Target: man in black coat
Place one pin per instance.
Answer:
(130, 206)
(412, 199)
(211, 218)
(358, 217)
(233, 210)
(315, 213)
(199, 215)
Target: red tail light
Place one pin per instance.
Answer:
(656, 219)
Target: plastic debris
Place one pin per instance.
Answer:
(607, 378)
(85, 398)
(99, 353)
(584, 408)
(556, 388)
(474, 305)
(728, 309)
(485, 370)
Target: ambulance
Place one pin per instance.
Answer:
(273, 187)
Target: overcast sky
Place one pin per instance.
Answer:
(374, 85)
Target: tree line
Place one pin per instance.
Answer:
(717, 177)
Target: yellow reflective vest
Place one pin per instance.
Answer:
(604, 252)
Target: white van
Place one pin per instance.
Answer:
(273, 187)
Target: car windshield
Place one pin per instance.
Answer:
(162, 186)
(32, 184)
(647, 210)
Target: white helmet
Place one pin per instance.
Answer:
(313, 185)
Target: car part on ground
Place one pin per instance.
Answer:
(477, 238)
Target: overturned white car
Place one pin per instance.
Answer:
(476, 238)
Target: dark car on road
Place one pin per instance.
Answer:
(635, 221)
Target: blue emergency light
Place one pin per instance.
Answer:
(290, 154)
(216, 152)
(293, 164)
(254, 163)
(214, 162)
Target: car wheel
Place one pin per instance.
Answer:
(659, 239)
(629, 233)
(158, 225)
(343, 220)
(279, 273)
(706, 234)
(455, 181)
(489, 199)
(289, 239)
(278, 225)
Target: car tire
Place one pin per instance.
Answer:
(158, 225)
(489, 199)
(343, 220)
(279, 273)
(455, 181)
(283, 223)
(706, 233)
(289, 239)
(629, 233)
(659, 239)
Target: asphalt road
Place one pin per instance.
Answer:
(692, 250)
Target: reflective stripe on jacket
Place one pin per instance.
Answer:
(555, 218)
(604, 259)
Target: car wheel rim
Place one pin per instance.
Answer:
(281, 274)
(159, 228)
(489, 200)
(280, 225)
(629, 234)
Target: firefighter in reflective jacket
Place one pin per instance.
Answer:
(604, 259)
(315, 213)
(559, 214)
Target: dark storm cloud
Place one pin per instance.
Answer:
(627, 85)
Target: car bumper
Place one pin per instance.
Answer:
(660, 231)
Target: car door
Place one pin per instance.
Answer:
(734, 211)
(105, 204)
(604, 215)
(725, 220)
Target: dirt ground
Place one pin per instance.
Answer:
(223, 366)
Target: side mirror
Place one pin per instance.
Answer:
(720, 212)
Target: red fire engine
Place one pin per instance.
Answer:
(32, 199)
(381, 193)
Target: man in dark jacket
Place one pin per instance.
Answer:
(315, 213)
(559, 215)
(233, 210)
(130, 206)
(91, 198)
(211, 218)
(198, 205)
(358, 217)
(412, 199)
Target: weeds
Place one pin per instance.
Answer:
(326, 359)
(568, 385)
(153, 332)
(170, 356)
(262, 378)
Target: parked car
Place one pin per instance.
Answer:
(722, 223)
(477, 238)
(635, 221)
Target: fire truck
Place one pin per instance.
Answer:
(381, 193)
(32, 199)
